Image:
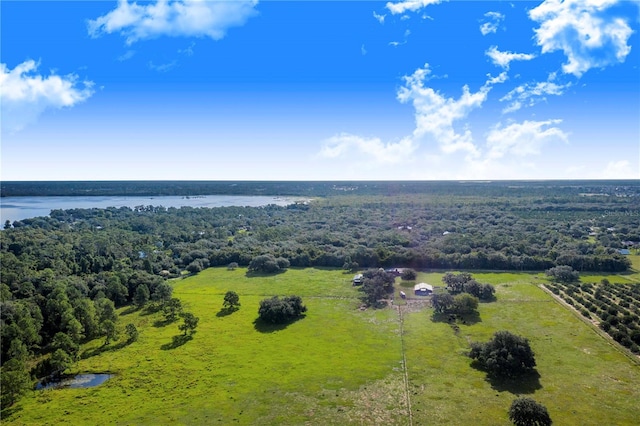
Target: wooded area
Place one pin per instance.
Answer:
(63, 275)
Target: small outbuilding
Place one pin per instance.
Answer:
(423, 289)
(624, 252)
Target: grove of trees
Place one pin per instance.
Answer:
(69, 272)
(505, 355)
(377, 285)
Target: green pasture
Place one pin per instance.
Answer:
(340, 364)
(336, 365)
(631, 276)
(576, 366)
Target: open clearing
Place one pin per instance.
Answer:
(339, 364)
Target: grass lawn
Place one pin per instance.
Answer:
(632, 276)
(340, 365)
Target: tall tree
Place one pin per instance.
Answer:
(142, 295)
(190, 323)
(60, 361)
(172, 309)
(442, 302)
(231, 300)
(110, 331)
(377, 285)
(15, 381)
(132, 333)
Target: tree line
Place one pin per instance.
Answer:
(64, 275)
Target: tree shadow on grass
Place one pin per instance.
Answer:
(257, 274)
(151, 308)
(164, 322)
(104, 348)
(9, 411)
(267, 327)
(527, 383)
(457, 319)
(226, 311)
(129, 310)
(177, 341)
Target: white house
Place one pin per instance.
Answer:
(422, 289)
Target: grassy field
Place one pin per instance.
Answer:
(632, 276)
(339, 364)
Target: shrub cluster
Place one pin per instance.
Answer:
(268, 264)
(281, 311)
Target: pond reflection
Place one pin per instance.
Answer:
(77, 381)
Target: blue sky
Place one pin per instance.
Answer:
(322, 90)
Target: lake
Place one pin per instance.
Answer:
(19, 208)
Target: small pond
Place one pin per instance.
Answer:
(77, 381)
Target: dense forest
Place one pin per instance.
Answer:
(317, 188)
(64, 275)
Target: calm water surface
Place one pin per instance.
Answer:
(18, 208)
(78, 381)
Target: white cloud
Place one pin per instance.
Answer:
(180, 18)
(380, 18)
(532, 93)
(619, 170)
(443, 144)
(26, 95)
(162, 67)
(188, 51)
(436, 115)
(522, 139)
(583, 31)
(407, 33)
(503, 59)
(493, 22)
(344, 144)
(409, 5)
(126, 55)
(436, 118)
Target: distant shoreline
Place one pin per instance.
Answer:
(309, 188)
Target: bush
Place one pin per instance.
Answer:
(268, 264)
(281, 311)
(525, 411)
(563, 274)
(283, 263)
(197, 265)
(408, 274)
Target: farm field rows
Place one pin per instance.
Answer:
(340, 364)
